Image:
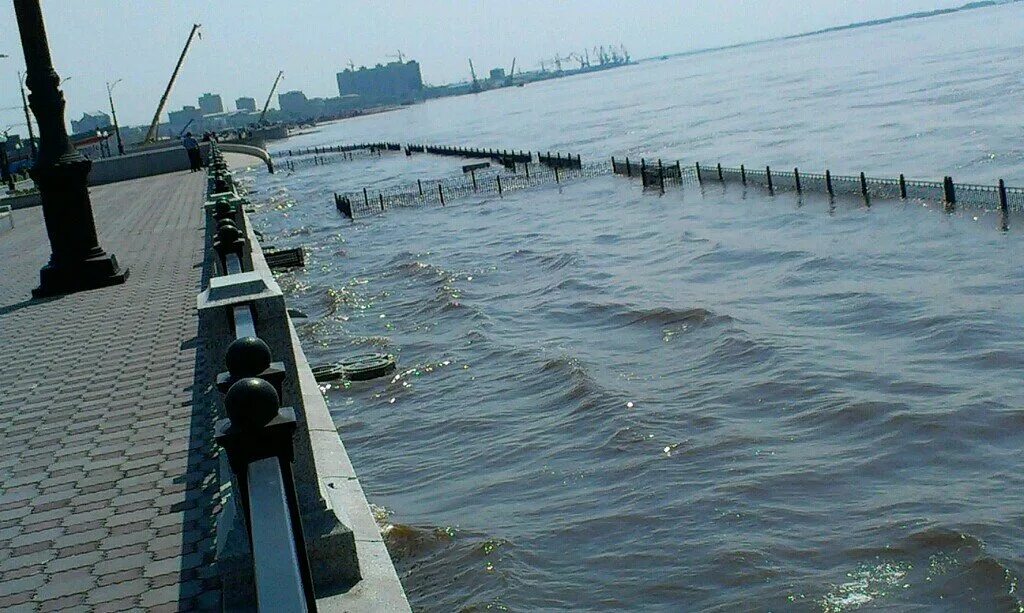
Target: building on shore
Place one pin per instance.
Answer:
(211, 104)
(90, 122)
(189, 117)
(245, 104)
(395, 82)
(294, 104)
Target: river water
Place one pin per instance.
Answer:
(711, 400)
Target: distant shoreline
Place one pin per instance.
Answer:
(970, 6)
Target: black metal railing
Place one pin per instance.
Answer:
(257, 433)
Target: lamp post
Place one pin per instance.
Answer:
(113, 113)
(77, 262)
(28, 118)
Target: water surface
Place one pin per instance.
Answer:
(710, 400)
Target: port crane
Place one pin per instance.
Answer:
(151, 134)
(511, 73)
(400, 57)
(266, 105)
(476, 84)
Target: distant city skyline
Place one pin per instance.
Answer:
(313, 40)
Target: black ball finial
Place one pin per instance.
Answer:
(223, 208)
(228, 233)
(251, 403)
(247, 357)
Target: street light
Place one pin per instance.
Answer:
(113, 113)
(28, 118)
(77, 262)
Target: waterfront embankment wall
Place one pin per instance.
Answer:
(349, 563)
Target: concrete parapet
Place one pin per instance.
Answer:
(252, 150)
(350, 565)
(142, 164)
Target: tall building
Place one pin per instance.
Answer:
(294, 103)
(245, 104)
(394, 82)
(179, 120)
(211, 104)
(90, 122)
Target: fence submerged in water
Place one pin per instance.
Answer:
(483, 182)
(521, 172)
(947, 192)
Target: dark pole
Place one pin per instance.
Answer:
(28, 118)
(113, 113)
(5, 172)
(77, 261)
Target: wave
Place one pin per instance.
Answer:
(664, 316)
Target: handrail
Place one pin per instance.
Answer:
(257, 434)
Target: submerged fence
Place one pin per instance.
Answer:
(484, 182)
(296, 159)
(948, 192)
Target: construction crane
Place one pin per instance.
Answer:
(266, 105)
(476, 84)
(151, 134)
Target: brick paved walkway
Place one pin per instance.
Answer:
(107, 472)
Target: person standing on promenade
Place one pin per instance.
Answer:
(195, 160)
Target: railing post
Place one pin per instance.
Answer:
(828, 183)
(472, 174)
(903, 187)
(661, 176)
(721, 177)
(366, 198)
(743, 174)
(629, 172)
(419, 184)
(498, 177)
(257, 438)
(697, 166)
(949, 194)
(796, 176)
(768, 173)
(381, 196)
(440, 193)
(864, 189)
(527, 167)
(1004, 207)
(556, 175)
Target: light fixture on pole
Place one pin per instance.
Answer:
(28, 117)
(113, 113)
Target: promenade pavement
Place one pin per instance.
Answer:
(108, 473)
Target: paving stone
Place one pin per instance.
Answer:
(65, 583)
(116, 591)
(15, 586)
(77, 561)
(123, 604)
(65, 604)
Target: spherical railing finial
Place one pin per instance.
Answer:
(247, 357)
(251, 403)
(228, 233)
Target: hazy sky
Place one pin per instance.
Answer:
(245, 42)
